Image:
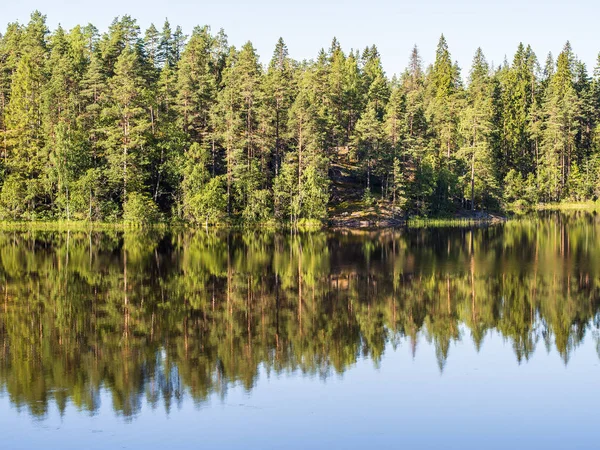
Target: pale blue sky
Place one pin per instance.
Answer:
(394, 26)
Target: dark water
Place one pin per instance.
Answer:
(430, 338)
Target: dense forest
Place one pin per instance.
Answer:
(159, 125)
(162, 315)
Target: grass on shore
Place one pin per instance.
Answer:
(87, 226)
(569, 206)
(420, 222)
(372, 214)
(75, 226)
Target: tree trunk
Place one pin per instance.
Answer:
(126, 139)
(369, 168)
(162, 151)
(277, 139)
(300, 143)
(473, 181)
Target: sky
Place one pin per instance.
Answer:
(393, 26)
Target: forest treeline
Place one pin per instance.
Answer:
(157, 125)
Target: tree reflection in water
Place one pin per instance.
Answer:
(161, 315)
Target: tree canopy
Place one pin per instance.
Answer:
(197, 130)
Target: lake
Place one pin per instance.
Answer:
(463, 337)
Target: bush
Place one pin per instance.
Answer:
(259, 207)
(368, 199)
(209, 205)
(13, 197)
(519, 206)
(140, 209)
(86, 195)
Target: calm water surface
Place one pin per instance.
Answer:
(485, 337)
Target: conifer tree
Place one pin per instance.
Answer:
(10, 44)
(442, 108)
(476, 129)
(561, 110)
(196, 86)
(127, 127)
(369, 140)
(25, 140)
(279, 93)
(236, 116)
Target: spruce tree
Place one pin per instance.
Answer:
(561, 111)
(127, 127)
(476, 129)
(279, 90)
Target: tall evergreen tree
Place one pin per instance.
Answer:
(477, 128)
(561, 111)
(25, 141)
(279, 90)
(127, 127)
(236, 117)
(442, 109)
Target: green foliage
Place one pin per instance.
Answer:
(519, 193)
(576, 186)
(140, 209)
(87, 200)
(514, 188)
(13, 197)
(87, 118)
(285, 189)
(208, 205)
(259, 207)
(368, 200)
(315, 190)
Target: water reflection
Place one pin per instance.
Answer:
(157, 317)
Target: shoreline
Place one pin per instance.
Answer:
(459, 219)
(463, 218)
(332, 224)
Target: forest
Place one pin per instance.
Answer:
(155, 125)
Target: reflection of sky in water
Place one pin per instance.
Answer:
(481, 400)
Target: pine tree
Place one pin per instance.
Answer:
(10, 44)
(336, 93)
(301, 189)
(62, 104)
(519, 92)
(123, 33)
(443, 103)
(25, 138)
(476, 129)
(415, 154)
(369, 140)
(561, 111)
(235, 119)
(442, 108)
(279, 92)
(395, 135)
(151, 46)
(169, 140)
(164, 54)
(127, 126)
(196, 86)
